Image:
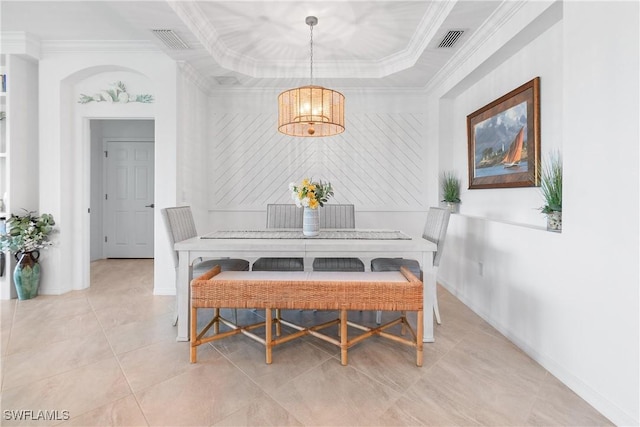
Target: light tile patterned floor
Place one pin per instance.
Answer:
(108, 356)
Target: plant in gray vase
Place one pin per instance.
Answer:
(450, 185)
(551, 188)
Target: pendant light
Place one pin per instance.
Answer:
(311, 110)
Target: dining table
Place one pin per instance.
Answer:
(365, 244)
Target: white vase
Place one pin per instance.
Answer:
(554, 221)
(453, 207)
(310, 222)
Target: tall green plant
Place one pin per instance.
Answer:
(450, 187)
(551, 183)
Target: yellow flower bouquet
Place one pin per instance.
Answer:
(310, 194)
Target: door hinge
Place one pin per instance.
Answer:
(106, 154)
(105, 239)
(106, 197)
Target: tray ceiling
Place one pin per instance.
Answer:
(266, 43)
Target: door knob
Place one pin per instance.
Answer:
(152, 205)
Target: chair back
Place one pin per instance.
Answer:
(435, 230)
(337, 216)
(284, 216)
(180, 226)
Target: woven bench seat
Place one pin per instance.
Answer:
(275, 291)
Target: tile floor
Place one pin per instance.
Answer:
(108, 356)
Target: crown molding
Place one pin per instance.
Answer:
(348, 91)
(57, 46)
(20, 43)
(194, 76)
(195, 19)
(425, 32)
(498, 19)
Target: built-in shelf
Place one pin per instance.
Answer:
(502, 221)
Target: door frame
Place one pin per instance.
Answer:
(84, 220)
(105, 184)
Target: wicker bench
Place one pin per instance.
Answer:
(276, 291)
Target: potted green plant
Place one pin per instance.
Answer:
(551, 188)
(450, 185)
(24, 237)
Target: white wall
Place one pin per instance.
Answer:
(65, 156)
(379, 163)
(541, 59)
(569, 300)
(21, 142)
(22, 134)
(601, 114)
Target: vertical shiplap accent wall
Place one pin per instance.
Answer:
(377, 164)
(192, 149)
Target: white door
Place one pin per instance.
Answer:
(129, 200)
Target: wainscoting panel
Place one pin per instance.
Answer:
(376, 164)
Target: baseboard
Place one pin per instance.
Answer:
(603, 405)
(164, 291)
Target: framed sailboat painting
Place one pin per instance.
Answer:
(504, 140)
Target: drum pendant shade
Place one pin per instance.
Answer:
(311, 111)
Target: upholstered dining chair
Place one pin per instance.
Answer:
(281, 216)
(337, 216)
(435, 230)
(181, 226)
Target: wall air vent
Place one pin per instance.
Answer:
(170, 39)
(450, 38)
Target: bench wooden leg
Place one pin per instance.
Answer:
(419, 333)
(216, 325)
(344, 344)
(267, 337)
(278, 325)
(403, 329)
(194, 324)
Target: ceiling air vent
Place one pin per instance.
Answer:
(170, 39)
(450, 38)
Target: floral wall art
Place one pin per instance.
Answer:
(117, 93)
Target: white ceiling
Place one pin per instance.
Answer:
(357, 43)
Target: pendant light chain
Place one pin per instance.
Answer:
(311, 53)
